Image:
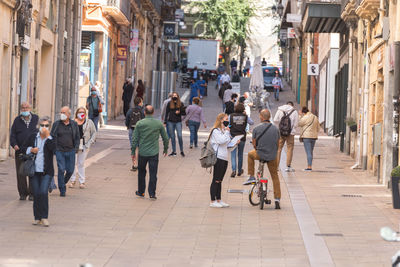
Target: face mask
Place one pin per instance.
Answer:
(94, 93)
(81, 115)
(63, 117)
(226, 123)
(25, 113)
(174, 98)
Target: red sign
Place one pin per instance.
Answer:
(122, 52)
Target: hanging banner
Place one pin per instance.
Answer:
(122, 52)
(291, 34)
(134, 41)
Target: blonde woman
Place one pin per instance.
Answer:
(173, 116)
(219, 138)
(87, 133)
(309, 134)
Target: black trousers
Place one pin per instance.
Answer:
(218, 175)
(126, 107)
(153, 167)
(23, 182)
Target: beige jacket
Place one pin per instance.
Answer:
(309, 126)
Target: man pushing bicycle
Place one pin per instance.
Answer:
(265, 143)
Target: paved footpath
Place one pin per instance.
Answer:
(106, 225)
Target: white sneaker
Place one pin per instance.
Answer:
(216, 205)
(224, 205)
(289, 169)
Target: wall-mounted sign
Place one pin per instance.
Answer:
(313, 69)
(291, 34)
(169, 29)
(179, 15)
(134, 40)
(294, 18)
(122, 52)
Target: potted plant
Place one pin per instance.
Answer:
(395, 179)
(352, 124)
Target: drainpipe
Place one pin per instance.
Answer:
(365, 102)
(349, 87)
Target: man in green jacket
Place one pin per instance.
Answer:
(145, 136)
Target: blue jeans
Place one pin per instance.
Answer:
(172, 127)
(130, 133)
(95, 120)
(239, 149)
(66, 166)
(153, 167)
(276, 92)
(194, 128)
(40, 185)
(309, 144)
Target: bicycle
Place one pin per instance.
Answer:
(258, 192)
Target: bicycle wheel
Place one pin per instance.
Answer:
(253, 195)
(262, 198)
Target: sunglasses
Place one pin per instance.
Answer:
(45, 125)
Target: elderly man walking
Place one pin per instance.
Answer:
(146, 135)
(65, 133)
(23, 127)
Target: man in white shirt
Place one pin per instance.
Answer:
(277, 83)
(225, 78)
(290, 111)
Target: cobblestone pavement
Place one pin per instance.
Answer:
(106, 225)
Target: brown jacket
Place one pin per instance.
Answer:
(309, 126)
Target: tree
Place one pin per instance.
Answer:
(226, 20)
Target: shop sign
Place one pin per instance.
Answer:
(291, 34)
(170, 30)
(294, 18)
(179, 15)
(313, 69)
(134, 40)
(122, 52)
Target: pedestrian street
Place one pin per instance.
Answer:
(329, 217)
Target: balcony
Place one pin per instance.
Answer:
(323, 17)
(367, 9)
(118, 10)
(152, 6)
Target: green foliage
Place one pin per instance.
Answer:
(396, 172)
(226, 20)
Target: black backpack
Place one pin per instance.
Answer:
(285, 125)
(136, 116)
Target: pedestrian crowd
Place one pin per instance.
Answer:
(70, 138)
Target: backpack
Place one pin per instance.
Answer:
(285, 125)
(208, 156)
(136, 116)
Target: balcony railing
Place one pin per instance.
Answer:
(122, 5)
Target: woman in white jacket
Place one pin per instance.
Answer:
(87, 132)
(219, 139)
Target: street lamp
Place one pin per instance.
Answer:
(280, 9)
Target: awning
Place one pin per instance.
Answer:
(323, 18)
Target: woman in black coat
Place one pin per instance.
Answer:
(43, 147)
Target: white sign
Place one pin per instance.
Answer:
(294, 18)
(236, 88)
(313, 69)
(26, 42)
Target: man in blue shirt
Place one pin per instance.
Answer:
(194, 90)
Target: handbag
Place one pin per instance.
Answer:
(301, 139)
(28, 167)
